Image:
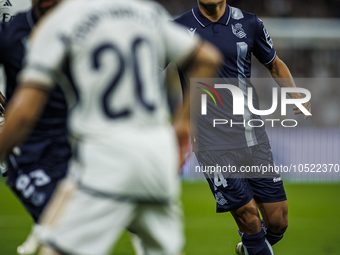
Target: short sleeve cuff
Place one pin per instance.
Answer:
(188, 53)
(44, 79)
(270, 57)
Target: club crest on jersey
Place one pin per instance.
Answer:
(238, 30)
(220, 199)
(192, 31)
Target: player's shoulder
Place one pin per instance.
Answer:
(71, 10)
(185, 18)
(149, 4)
(157, 9)
(19, 19)
(66, 11)
(237, 14)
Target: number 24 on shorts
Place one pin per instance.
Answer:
(27, 183)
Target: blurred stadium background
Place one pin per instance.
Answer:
(306, 36)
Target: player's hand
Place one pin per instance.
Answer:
(2, 104)
(182, 130)
(307, 105)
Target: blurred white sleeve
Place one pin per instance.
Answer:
(46, 53)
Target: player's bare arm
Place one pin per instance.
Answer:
(204, 64)
(283, 77)
(22, 113)
(2, 104)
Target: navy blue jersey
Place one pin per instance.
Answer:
(238, 35)
(51, 128)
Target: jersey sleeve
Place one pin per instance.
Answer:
(47, 50)
(2, 44)
(263, 45)
(180, 46)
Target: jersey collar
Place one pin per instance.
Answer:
(204, 22)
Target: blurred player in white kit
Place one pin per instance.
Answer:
(123, 175)
(8, 9)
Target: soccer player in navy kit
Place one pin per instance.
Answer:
(238, 35)
(35, 167)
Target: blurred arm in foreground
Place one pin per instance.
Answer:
(203, 65)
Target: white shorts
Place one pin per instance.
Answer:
(77, 222)
(143, 165)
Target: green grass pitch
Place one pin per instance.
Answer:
(314, 222)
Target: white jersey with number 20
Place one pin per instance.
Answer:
(118, 104)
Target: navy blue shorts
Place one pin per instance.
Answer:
(34, 173)
(235, 187)
(34, 185)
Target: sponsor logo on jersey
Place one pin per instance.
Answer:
(238, 30)
(192, 31)
(6, 17)
(7, 3)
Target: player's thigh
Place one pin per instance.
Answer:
(268, 185)
(229, 186)
(160, 229)
(269, 191)
(76, 222)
